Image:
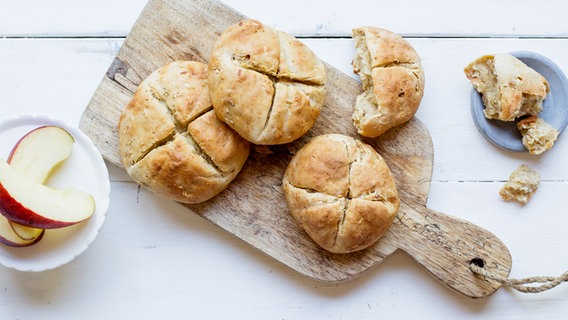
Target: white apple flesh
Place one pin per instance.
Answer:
(40, 151)
(25, 201)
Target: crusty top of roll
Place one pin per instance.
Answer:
(341, 192)
(171, 141)
(265, 84)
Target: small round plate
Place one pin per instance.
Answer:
(504, 134)
(84, 169)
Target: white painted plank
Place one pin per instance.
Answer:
(155, 260)
(58, 77)
(52, 77)
(37, 18)
(506, 18)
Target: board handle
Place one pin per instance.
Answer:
(446, 246)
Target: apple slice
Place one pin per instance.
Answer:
(40, 151)
(37, 154)
(33, 204)
(25, 232)
(9, 237)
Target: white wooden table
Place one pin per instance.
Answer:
(156, 260)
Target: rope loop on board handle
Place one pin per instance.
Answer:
(521, 285)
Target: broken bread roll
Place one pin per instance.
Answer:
(392, 77)
(521, 185)
(341, 192)
(171, 141)
(538, 136)
(509, 88)
(265, 84)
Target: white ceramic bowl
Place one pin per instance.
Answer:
(84, 169)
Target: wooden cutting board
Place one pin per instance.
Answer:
(253, 207)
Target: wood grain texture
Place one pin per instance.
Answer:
(253, 207)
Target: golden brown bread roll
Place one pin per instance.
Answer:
(392, 77)
(265, 84)
(510, 89)
(341, 192)
(171, 141)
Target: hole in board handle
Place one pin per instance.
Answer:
(478, 262)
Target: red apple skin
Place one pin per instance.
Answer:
(15, 211)
(23, 243)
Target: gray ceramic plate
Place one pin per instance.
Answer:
(504, 134)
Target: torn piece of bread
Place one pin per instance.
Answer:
(392, 77)
(521, 186)
(510, 89)
(538, 136)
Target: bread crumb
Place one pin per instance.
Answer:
(521, 186)
(538, 136)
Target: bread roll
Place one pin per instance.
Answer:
(538, 136)
(510, 89)
(171, 141)
(521, 186)
(392, 77)
(265, 84)
(341, 192)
